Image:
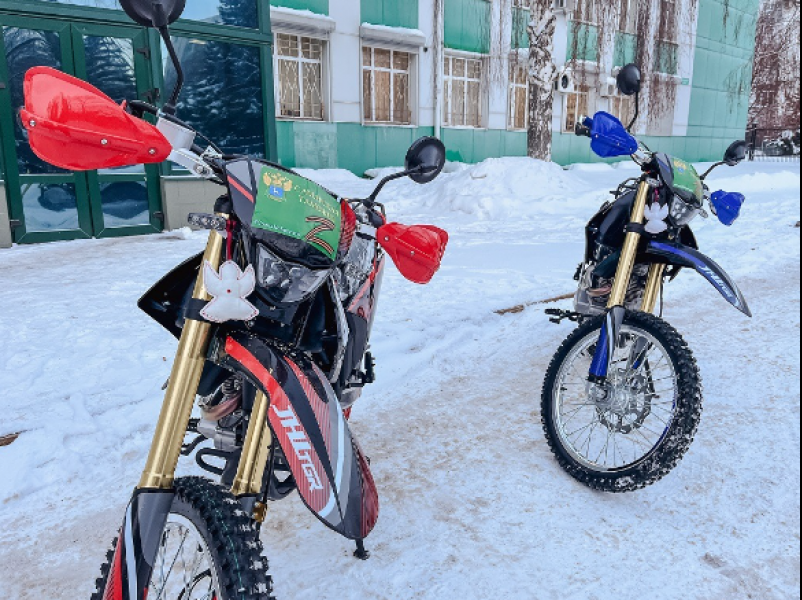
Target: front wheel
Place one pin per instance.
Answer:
(209, 550)
(634, 429)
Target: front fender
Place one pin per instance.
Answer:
(332, 473)
(685, 256)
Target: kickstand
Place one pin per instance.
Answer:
(361, 553)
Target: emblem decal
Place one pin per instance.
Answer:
(322, 226)
(277, 185)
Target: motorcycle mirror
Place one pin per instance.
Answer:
(736, 153)
(629, 80)
(426, 159)
(154, 13)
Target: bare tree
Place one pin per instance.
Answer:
(541, 29)
(775, 89)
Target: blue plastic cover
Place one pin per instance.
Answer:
(728, 206)
(610, 139)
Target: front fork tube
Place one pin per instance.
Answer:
(248, 483)
(146, 517)
(605, 349)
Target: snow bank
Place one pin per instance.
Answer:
(497, 189)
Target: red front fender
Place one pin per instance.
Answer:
(332, 474)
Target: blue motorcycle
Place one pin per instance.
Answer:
(622, 399)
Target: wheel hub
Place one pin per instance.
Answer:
(622, 405)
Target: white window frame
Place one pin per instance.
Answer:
(616, 103)
(448, 81)
(515, 86)
(411, 79)
(579, 92)
(324, 70)
(522, 4)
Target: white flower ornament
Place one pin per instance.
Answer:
(229, 290)
(656, 216)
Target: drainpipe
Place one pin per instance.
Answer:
(439, 43)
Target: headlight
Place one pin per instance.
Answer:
(682, 213)
(286, 282)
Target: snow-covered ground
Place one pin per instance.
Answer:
(474, 507)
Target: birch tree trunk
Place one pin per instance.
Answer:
(541, 29)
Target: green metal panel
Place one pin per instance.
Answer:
(722, 77)
(583, 42)
(391, 13)
(467, 25)
(320, 7)
(358, 148)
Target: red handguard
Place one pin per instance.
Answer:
(75, 126)
(417, 251)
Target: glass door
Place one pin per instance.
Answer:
(51, 204)
(124, 201)
(46, 203)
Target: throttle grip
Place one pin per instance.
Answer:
(583, 126)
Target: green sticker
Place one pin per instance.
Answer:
(687, 179)
(298, 208)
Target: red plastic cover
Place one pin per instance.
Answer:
(75, 126)
(417, 251)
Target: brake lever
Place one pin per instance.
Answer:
(139, 109)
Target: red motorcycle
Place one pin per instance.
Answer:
(274, 322)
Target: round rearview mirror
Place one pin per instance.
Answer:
(629, 80)
(154, 13)
(736, 153)
(426, 160)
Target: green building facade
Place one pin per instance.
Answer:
(348, 84)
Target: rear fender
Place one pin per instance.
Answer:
(685, 256)
(332, 473)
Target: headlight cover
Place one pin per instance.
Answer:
(285, 282)
(682, 213)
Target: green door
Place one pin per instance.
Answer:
(50, 204)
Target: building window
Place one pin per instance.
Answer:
(463, 92)
(386, 86)
(524, 4)
(577, 105)
(666, 59)
(519, 94)
(623, 107)
(299, 68)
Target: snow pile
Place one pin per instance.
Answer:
(497, 189)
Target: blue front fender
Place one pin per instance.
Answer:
(685, 256)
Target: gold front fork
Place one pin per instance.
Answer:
(654, 286)
(159, 471)
(255, 452)
(629, 252)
